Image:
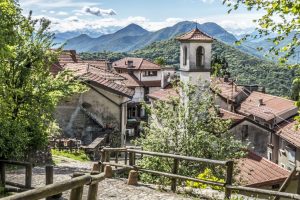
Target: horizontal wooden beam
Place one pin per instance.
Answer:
(189, 158)
(12, 162)
(169, 175)
(56, 188)
(263, 191)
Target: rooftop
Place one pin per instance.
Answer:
(226, 89)
(164, 94)
(137, 64)
(94, 72)
(131, 80)
(257, 171)
(195, 35)
(235, 118)
(288, 131)
(267, 107)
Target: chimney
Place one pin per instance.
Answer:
(260, 102)
(130, 63)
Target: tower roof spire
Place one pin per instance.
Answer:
(195, 35)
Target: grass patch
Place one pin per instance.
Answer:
(79, 155)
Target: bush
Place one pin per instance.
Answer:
(208, 176)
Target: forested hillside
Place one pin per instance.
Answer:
(245, 68)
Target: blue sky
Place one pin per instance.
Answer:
(103, 15)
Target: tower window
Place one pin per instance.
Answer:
(200, 57)
(184, 55)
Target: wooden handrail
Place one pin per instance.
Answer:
(12, 162)
(264, 191)
(228, 164)
(57, 188)
(170, 175)
(167, 155)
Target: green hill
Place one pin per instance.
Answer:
(246, 69)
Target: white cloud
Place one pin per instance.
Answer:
(61, 13)
(234, 23)
(207, 1)
(98, 11)
(52, 12)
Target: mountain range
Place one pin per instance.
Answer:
(133, 37)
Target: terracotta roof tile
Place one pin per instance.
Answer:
(227, 90)
(257, 171)
(131, 80)
(107, 84)
(288, 131)
(236, 118)
(271, 108)
(138, 64)
(164, 94)
(195, 35)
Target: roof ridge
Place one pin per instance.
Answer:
(274, 96)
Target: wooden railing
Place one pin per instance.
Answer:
(76, 185)
(28, 173)
(130, 155)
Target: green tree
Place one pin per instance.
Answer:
(279, 16)
(29, 93)
(160, 61)
(187, 125)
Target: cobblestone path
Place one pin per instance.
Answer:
(109, 189)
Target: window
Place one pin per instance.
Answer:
(244, 132)
(184, 56)
(200, 57)
(150, 73)
(291, 152)
(269, 155)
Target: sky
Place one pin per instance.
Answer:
(107, 15)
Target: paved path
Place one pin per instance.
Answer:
(109, 189)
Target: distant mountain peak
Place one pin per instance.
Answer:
(134, 28)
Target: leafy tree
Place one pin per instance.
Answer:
(160, 61)
(187, 125)
(281, 17)
(29, 92)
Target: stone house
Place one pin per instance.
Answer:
(254, 135)
(101, 111)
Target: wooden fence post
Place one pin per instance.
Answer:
(126, 157)
(102, 159)
(28, 176)
(131, 158)
(3, 178)
(76, 193)
(229, 174)
(174, 171)
(49, 180)
(93, 189)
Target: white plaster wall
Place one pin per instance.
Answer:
(151, 78)
(191, 55)
(282, 156)
(194, 77)
(138, 94)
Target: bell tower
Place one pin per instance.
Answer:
(195, 56)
